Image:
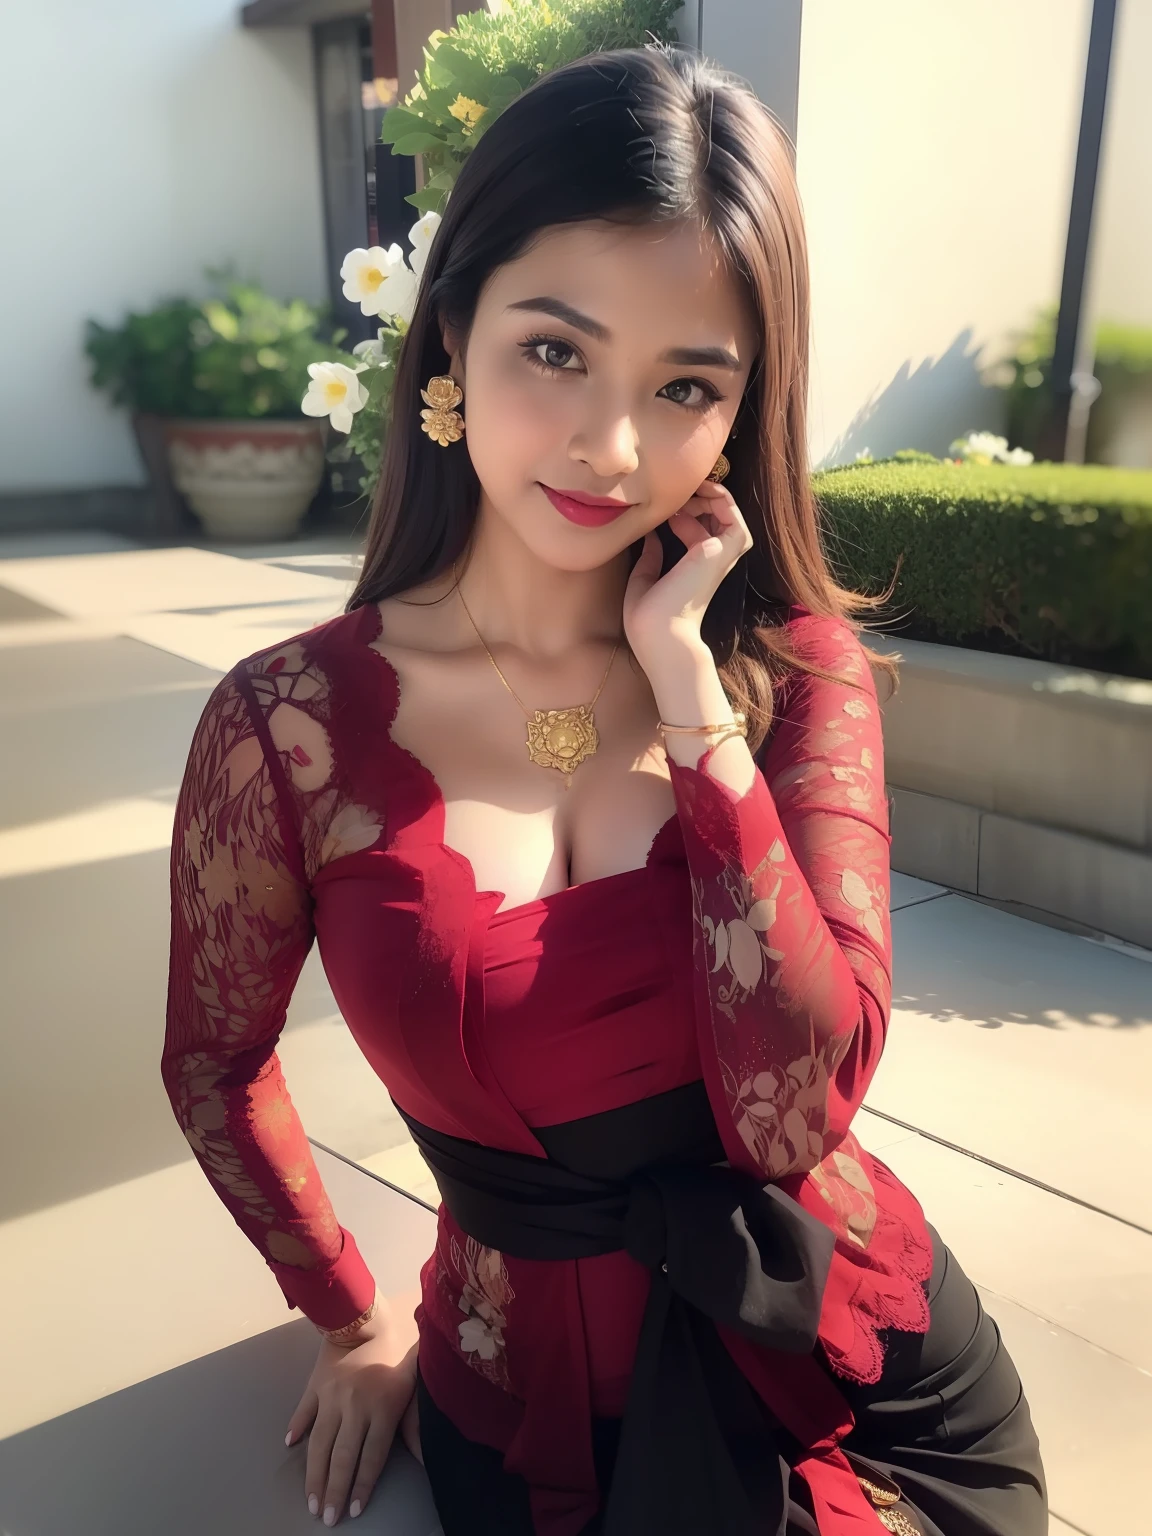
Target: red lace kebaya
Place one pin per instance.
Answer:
(750, 954)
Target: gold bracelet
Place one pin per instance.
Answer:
(738, 723)
(337, 1335)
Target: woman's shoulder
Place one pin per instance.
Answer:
(825, 641)
(301, 665)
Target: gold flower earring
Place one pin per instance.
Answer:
(722, 467)
(442, 422)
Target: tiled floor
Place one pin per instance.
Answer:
(1029, 1046)
(1011, 1045)
(156, 1403)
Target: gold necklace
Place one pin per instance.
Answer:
(557, 738)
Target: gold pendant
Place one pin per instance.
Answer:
(896, 1521)
(880, 1496)
(562, 738)
(884, 1500)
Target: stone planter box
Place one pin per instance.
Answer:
(1025, 782)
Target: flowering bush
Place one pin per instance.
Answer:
(473, 72)
(356, 396)
(987, 448)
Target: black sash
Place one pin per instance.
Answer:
(721, 1249)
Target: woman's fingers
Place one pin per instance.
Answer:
(320, 1443)
(410, 1428)
(342, 1464)
(302, 1418)
(715, 515)
(377, 1445)
(646, 572)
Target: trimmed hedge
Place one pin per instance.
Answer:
(1051, 560)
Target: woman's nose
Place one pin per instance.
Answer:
(609, 447)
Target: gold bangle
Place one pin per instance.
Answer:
(337, 1335)
(738, 723)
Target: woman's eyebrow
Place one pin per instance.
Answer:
(701, 357)
(680, 357)
(561, 311)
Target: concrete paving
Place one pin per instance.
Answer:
(1012, 1095)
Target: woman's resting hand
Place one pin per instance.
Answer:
(357, 1395)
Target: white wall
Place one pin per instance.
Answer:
(935, 152)
(1121, 267)
(143, 140)
(756, 39)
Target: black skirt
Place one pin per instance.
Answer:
(947, 1422)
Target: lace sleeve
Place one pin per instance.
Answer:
(241, 931)
(790, 891)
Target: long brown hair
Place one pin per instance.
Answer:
(640, 135)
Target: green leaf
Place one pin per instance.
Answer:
(417, 143)
(398, 121)
(222, 320)
(427, 199)
(503, 92)
(437, 73)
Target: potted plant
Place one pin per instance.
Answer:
(215, 393)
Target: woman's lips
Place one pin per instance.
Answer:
(588, 511)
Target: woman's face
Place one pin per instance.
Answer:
(607, 362)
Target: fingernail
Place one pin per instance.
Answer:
(313, 1504)
(330, 1514)
(354, 1508)
(288, 1438)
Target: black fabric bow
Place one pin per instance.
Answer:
(699, 1455)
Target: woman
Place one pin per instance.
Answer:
(618, 949)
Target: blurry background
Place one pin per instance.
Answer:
(936, 146)
(977, 179)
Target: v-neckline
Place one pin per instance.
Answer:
(436, 796)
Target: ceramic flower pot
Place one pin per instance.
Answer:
(247, 479)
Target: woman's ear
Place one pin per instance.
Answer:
(453, 344)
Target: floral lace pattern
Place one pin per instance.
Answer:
(240, 934)
(790, 891)
(260, 811)
(294, 696)
(484, 1295)
(473, 1296)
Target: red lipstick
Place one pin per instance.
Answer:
(588, 511)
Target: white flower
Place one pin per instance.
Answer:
(986, 444)
(380, 281)
(421, 235)
(987, 448)
(864, 456)
(479, 1337)
(372, 351)
(336, 392)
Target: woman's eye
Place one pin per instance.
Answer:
(554, 354)
(689, 392)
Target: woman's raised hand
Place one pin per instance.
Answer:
(662, 613)
(357, 1396)
(662, 619)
